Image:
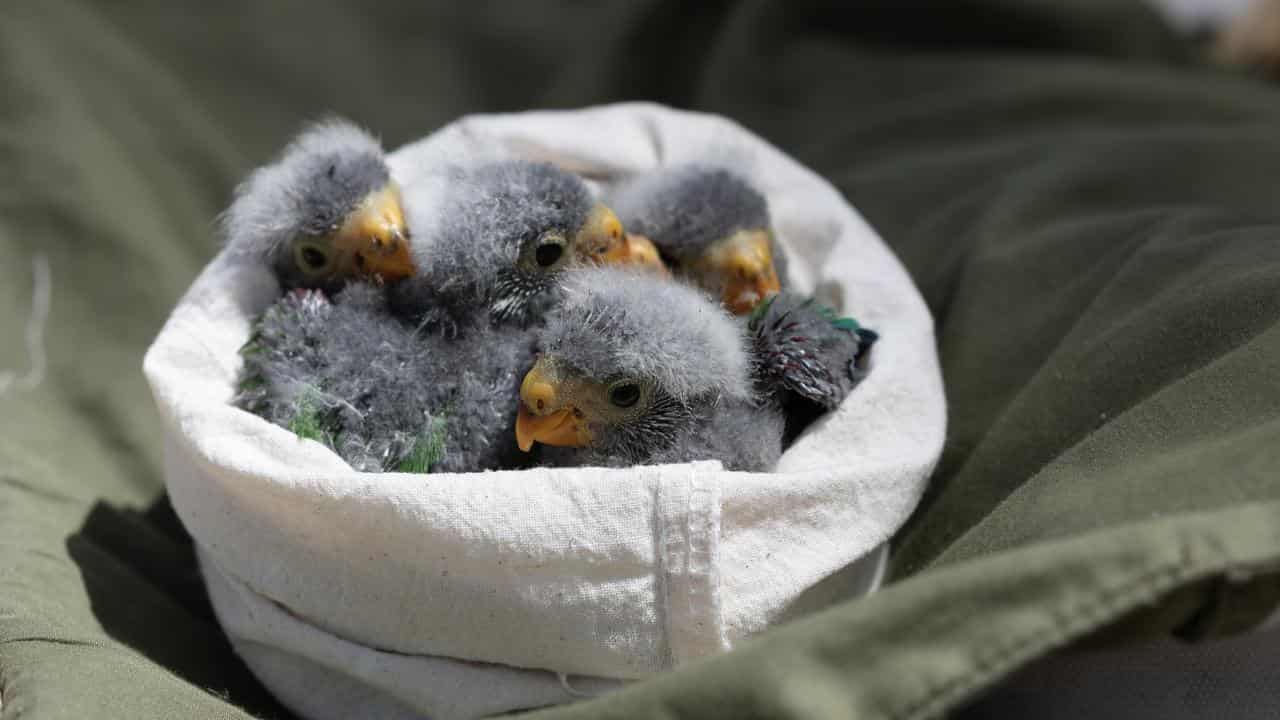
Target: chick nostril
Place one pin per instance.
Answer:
(537, 395)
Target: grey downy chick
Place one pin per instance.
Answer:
(495, 239)
(710, 226)
(324, 213)
(635, 370)
(346, 373)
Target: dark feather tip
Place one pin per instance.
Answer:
(809, 350)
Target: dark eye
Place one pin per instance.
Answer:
(311, 257)
(624, 394)
(548, 253)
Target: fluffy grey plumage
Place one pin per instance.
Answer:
(704, 221)
(497, 241)
(685, 208)
(654, 372)
(320, 179)
(635, 370)
(621, 322)
(348, 374)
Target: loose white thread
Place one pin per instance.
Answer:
(41, 291)
(564, 683)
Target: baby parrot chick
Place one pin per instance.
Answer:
(344, 372)
(635, 370)
(497, 237)
(325, 213)
(711, 226)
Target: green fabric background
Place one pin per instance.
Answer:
(1090, 215)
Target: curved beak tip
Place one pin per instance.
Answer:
(524, 429)
(613, 226)
(557, 429)
(637, 251)
(389, 257)
(768, 285)
(376, 236)
(745, 291)
(742, 267)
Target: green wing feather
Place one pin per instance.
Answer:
(313, 422)
(429, 448)
(833, 317)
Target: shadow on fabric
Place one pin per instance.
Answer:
(141, 575)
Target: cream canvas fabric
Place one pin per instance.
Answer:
(455, 596)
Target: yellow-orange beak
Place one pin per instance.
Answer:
(556, 429)
(638, 251)
(603, 240)
(601, 234)
(743, 266)
(543, 417)
(376, 238)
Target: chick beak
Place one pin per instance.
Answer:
(636, 250)
(542, 418)
(744, 262)
(601, 238)
(376, 238)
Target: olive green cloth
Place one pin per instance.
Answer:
(1091, 216)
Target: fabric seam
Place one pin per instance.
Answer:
(688, 540)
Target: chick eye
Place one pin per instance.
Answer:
(550, 249)
(311, 257)
(624, 394)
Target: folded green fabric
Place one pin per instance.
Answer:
(1089, 213)
(922, 646)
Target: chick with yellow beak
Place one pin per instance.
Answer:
(603, 241)
(373, 241)
(636, 369)
(325, 213)
(711, 226)
(740, 269)
(549, 412)
(501, 235)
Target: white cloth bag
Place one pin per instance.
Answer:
(456, 596)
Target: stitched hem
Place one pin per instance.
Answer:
(689, 546)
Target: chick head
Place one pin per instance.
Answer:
(502, 236)
(629, 361)
(710, 224)
(325, 213)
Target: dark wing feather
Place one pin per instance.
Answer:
(805, 348)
